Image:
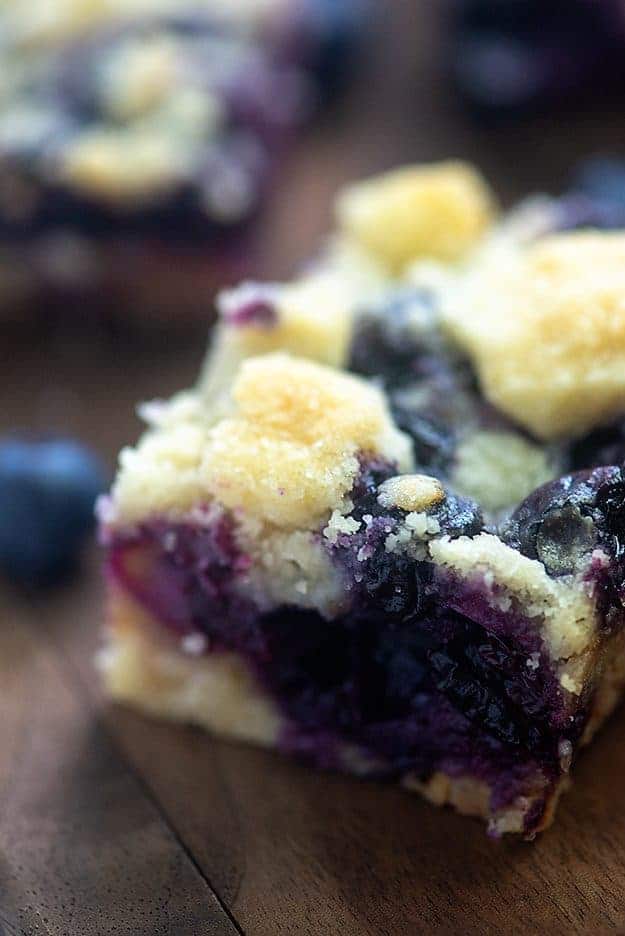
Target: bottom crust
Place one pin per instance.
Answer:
(471, 797)
(144, 667)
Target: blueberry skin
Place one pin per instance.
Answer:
(518, 56)
(48, 489)
(336, 31)
(598, 186)
(603, 178)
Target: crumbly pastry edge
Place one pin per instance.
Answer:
(142, 666)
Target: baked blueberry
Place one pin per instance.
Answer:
(602, 178)
(334, 31)
(48, 489)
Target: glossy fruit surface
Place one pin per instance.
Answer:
(48, 489)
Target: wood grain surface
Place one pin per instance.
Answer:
(111, 823)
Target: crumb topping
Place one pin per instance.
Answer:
(115, 164)
(311, 317)
(287, 453)
(40, 21)
(438, 211)
(340, 525)
(291, 567)
(413, 534)
(499, 469)
(414, 492)
(564, 609)
(290, 454)
(140, 75)
(545, 327)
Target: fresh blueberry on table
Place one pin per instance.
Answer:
(498, 75)
(602, 178)
(595, 198)
(48, 488)
(511, 57)
(336, 29)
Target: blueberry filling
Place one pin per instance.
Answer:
(180, 572)
(418, 673)
(431, 387)
(363, 554)
(379, 685)
(257, 312)
(401, 347)
(594, 198)
(410, 683)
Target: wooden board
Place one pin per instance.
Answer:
(112, 823)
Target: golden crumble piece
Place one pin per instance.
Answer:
(499, 468)
(286, 452)
(290, 454)
(310, 317)
(44, 22)
(545, 327)
(438, 211)
(140, 76)
(411, 492)
(119, 164)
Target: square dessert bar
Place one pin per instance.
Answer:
(137, 145)
(385, 532)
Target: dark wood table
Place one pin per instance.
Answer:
(111, 823)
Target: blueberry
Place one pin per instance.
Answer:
(47, 492)
(602, 446)
(475, 699)
(459, 516)
(563, 521)
(401, 345)
(602, 178)
(391, 338)
(498, 74)
(520, 55)
(434, 443)
(335, 31)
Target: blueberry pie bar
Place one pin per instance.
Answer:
(138, 142)
(385, 531)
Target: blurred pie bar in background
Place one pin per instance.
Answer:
(138, 142)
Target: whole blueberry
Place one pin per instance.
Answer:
(335, 32)
(602, 178)
(519, 55)
(48, 489)
(498, 74)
